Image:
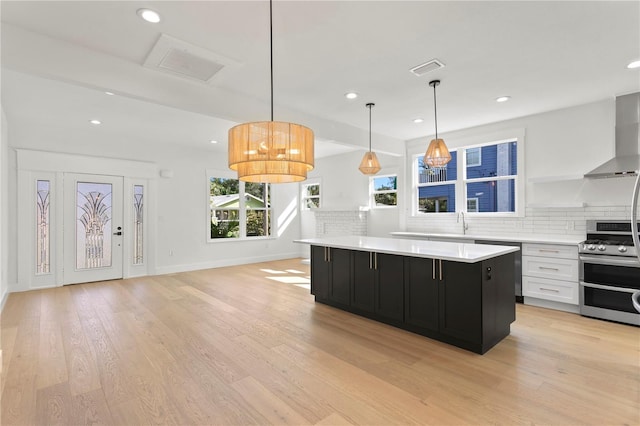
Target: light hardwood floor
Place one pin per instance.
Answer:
(248, 345)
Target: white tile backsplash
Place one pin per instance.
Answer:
(340, 222)
(546, 221)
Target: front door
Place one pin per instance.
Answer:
(92, 228)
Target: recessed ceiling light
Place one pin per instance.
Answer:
(213, 141)
(149, 15)
(418, 120)
(351, 95)
(634, 65)
(96, 122)
(109, 93)
(503, 98)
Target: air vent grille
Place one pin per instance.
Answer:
(427, 67)
(189, 65)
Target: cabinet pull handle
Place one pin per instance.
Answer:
(433, 269)
(370, 260)
(548, 268)
(325, 254)
(550, 289)
(375, 261)
(329, 254)
(548, 251)
(440, 267)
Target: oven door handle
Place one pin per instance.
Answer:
(608, 287)
(606, 260)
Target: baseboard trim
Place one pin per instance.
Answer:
(162, 270)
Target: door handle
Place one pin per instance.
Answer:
(117, 233)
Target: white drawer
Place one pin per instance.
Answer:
(550, 250)
(543, 288)
(552, 268)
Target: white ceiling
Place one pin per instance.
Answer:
(58, 58)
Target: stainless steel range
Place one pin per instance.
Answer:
(609, 272)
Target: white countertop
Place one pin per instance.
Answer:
(458, 252)
(534, 238)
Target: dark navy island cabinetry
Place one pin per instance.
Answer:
(464, 296)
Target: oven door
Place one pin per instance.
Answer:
(606, 286)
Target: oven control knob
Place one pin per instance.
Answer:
(622, 249)
(591, 247)
(602, 247)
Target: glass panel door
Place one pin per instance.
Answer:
(93, 228)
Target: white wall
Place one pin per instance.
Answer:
(4, 208)
(344, 187)
(181, 203)
(564, 144)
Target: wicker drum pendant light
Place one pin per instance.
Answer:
(370, 164)
(271, 151)
(437, 154)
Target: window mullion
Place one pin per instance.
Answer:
(242, 214)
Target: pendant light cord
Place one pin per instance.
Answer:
(369, 127)
(271, 50)
(435, 108)
(370, 105)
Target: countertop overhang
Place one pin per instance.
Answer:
(457, 252)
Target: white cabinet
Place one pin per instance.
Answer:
(550, 272)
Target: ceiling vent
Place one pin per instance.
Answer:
(427, 67)
(180, 58)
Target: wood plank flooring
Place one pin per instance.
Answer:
(247, 345)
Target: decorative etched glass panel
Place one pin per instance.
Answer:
(42, 227)
(93, 225)
(138, 222)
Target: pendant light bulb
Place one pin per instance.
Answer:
(370, 164)
(437, 154)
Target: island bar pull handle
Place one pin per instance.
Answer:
(440, 267)
(433, 269)
(375, 261)
(329, 254)
(370, 260)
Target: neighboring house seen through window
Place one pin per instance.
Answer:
(384, 191)
(239, 209)
(486, 182)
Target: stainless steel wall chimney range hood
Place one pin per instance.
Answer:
(627, 159)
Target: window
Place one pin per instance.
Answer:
(436, 188)
(474, 157)
(472, 205)
(310, 196)
(493, 183)
(239, 209)
(487, 182)
(384, 191)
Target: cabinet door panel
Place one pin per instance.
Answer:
(461, 301)
(340, 282)
(319, 273)
(362, 293)
(421, 293)
(389, 286)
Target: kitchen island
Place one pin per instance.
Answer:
(460, 294)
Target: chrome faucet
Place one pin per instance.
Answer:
(465, 225)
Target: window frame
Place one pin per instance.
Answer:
(461, 145)
(373, 192)
(242, 210)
